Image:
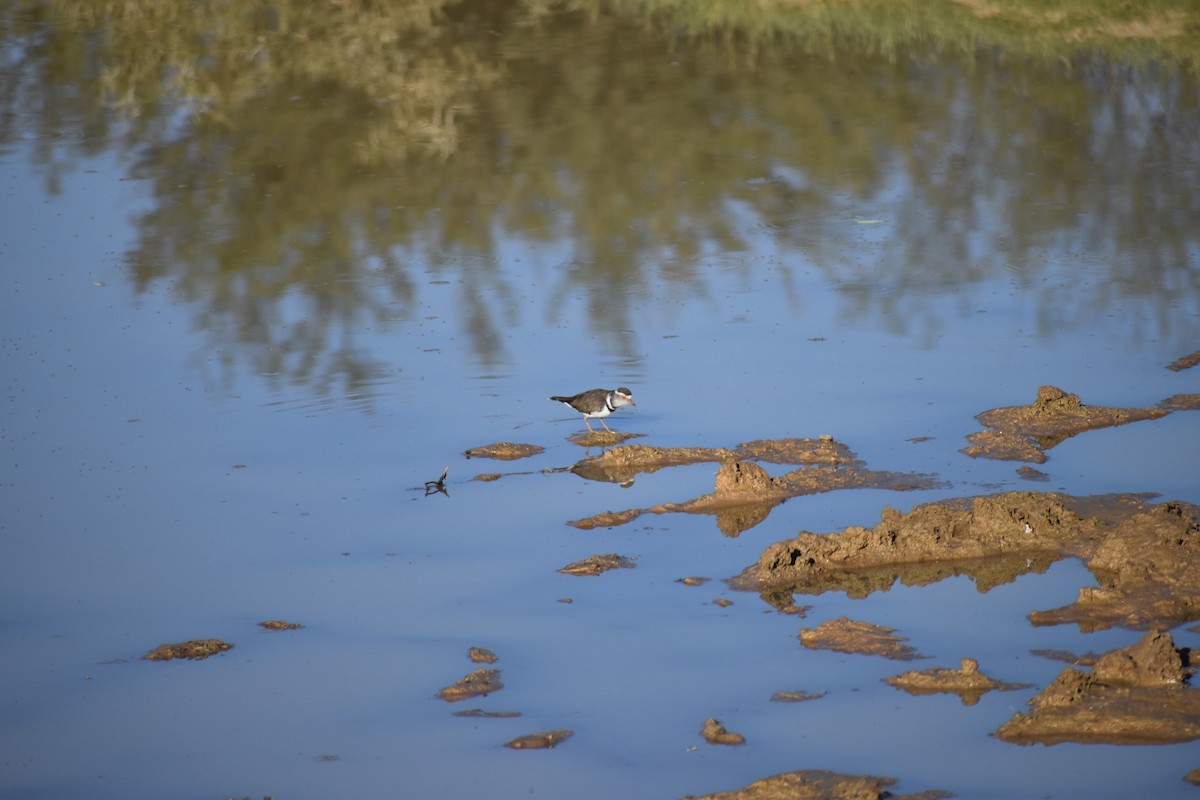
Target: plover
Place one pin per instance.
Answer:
(597, 404)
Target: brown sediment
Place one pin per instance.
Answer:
(1142, 555)
(967, 682)
(601, 438)
(481, 714)
(799, 696)
(1028, 473)
(607, 519)
(1185, 362)
(594, 565)
(846, 635)
(1074, 659)
(1024, 433)
(1181, 402)
(1133, 695)
(505, 451)
(693, 580)
(714, 733)
(481, 655)
(814, 784)
(744, 493)
(279, 625)
(543, 740)
(194, 649)
(480, 682)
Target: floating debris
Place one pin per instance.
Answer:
(479, 682)
(714, 733)
(194, 650)
(545, 740)
(434, 487)
(693, 581)
(594, 565)
(846, 635)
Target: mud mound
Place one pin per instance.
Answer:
(1134, 695)
(1143, 556)
(1024, 433)
(967, 682)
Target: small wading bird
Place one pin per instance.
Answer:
(597, 404)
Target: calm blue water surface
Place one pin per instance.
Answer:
(192, 443)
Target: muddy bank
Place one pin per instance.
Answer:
(744, 493)
(967, 682)
(1142, 555)
(816, 784)
(1133, 695)
(1024, 433)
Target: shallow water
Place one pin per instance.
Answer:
(234, 347)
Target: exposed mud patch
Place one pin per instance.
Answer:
(481, 655)
(479, 713)
(715, 733)
(744, 493)
(194, 650)
(1143, 556)
(1024, 433)
(543, 740)
(820, 785)
(798, 696)
(967, 682)
(1185, 362)
(504, 451)
(480, 682)
(846, 635)
(594, 565)
(1181, 402)
(601, 438)
(1134, 695)
(279, 625)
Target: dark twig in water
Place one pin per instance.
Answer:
(432, 487)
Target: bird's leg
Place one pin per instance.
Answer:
(589, 425)
(605, 424)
